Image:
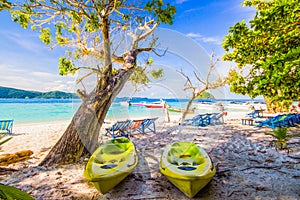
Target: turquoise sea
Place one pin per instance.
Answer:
(24, 111)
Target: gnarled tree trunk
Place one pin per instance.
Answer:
(83, 131)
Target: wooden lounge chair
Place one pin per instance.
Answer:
(118, 129)
(6, 125)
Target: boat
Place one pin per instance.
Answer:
(172, 109)
(111, 163)
(187, 166)
(239, 105)
(245, 106)
(158, 104)
(124, 103)
(136, 103)
(206, 106)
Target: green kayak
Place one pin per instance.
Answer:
(111, 163)
(187, 166)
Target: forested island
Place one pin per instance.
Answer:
(6, 92)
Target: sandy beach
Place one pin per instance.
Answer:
(247, 167)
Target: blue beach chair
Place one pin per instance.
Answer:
(148, 124)
(268, 122)
(290, 120)
(216, 118)
(118, 129)
(254, 114)
(6, 125)
(193, 121)
(205, 119)
(198, 120)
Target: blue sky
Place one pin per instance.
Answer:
(26, 63)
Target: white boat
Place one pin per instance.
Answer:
(124, 103)
(239, 106)
(159, 104)
(246, 106)
(136, 104)
(206, 106)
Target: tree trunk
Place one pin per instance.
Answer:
(83, 131)
(188, 107)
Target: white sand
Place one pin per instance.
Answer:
(247, 168)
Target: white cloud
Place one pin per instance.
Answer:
(201, 38)
(35, 80)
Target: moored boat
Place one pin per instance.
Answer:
(206, 106)
(159, 104)
(136, 103)
(124, 103)
(172, 109)
(111, 163)
(187, 166)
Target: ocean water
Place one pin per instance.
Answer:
(24, 111)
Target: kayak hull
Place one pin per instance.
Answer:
(111, 163)
(171, 109)
(106, 184)
(187, 166)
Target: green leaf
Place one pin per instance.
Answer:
(11, 193)
(159, 73)
(65, 66)
(45, 36)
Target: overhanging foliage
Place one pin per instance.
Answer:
(267, 51)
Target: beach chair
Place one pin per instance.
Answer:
(295, 119)
(291, 120)
(216, 118)
(134, 126)
(273, 122)
(205, 120)
(198, 120)
(254, 114)
(267, 122)
(6, 126)
(118, 129)
(278, 122)
(147, 124)
(193, 121)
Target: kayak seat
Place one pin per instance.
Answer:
(185, 158)
(187, 168)
(108, 166)
(113, 154)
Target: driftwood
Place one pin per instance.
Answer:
(6, 159)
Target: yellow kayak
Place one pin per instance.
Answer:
(111, 163)
(187, 166)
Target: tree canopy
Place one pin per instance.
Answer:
(79, 26)
(267, 51)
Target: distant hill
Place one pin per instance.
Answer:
(6, 92)
(206, 95)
